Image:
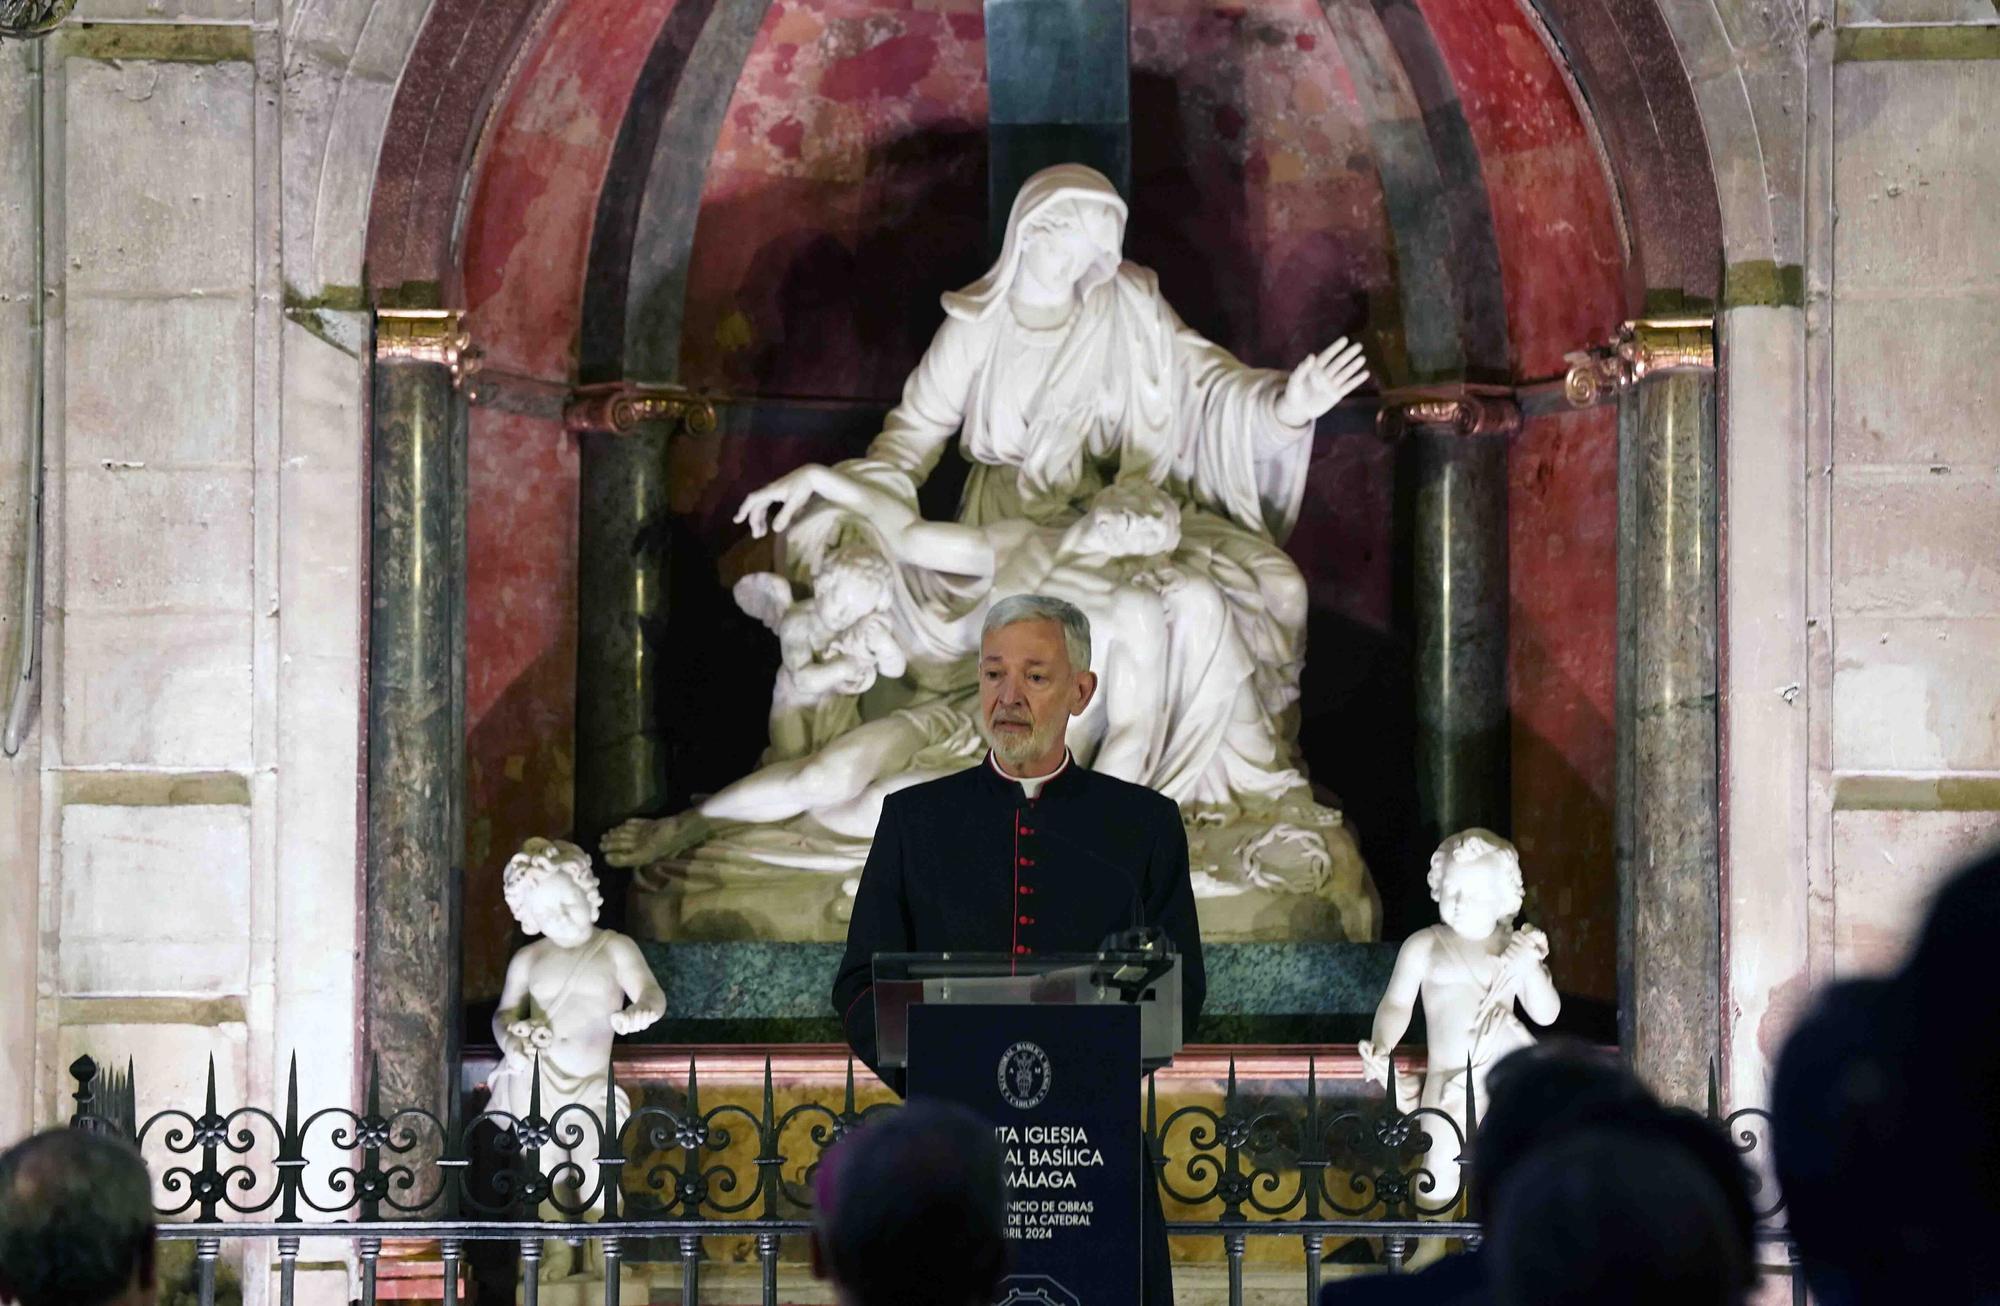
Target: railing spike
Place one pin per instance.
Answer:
(1714, 1092)
(610, 1144)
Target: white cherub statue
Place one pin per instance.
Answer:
(565, 997)
(1470, 971)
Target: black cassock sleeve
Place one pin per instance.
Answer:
(1170, 905)
(880, 923)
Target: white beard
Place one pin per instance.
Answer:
(1039, 741)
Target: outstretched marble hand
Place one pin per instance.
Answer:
(772, 508)
(1321, 381)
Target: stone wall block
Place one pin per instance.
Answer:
(17, 242)
(16, 428)
(1765, 702)
(1774, 80)
(158, 185)
(1919, 694)
(332, 136)
(20, 928)
(324, 385)
(170, 1067)
(321, 699)
(155, 900)
(158, 382)
(385, 39)
(1917, 542)
(1735, 149)
(1918, 186)
(211, 11)
(167, 689)
(320, 570)
(1701, 40)
(1857, 13)
(157, 537)
(1762, 24)
(1905, 388)
(1886, 865)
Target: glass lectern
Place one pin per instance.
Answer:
(1149, 979)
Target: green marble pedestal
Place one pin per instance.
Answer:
(777, 992)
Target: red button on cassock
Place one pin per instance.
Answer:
(1027, 920)
(1025, 890)
(1020, 949)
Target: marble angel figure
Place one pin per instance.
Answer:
(1064, 368)
(565, 997)
(1470, 971)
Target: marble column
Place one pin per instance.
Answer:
(1455, 453)
(416, 707)
(1669, 878)
(622, 599)
(1058, 90)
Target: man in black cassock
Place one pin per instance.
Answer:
(1026, 852)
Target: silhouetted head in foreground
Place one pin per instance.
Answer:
(1891, 1081)
(1539, 1095)
(1616, 1213)
(76, 1222)
(912, 1211)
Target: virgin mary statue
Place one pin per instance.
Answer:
(1064, 369)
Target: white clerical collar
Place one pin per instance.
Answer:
(1031, 783)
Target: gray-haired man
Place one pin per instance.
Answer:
(1026, 852)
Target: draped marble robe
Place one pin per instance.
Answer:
(1122, 390)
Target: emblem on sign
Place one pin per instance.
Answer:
(1024, 1076)
(1034, 1290)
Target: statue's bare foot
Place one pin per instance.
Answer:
(639, 841)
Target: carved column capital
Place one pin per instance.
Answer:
(1641, 347)
(427, 335)
(1462, 414)
(619, 408)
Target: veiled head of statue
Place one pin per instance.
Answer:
(1069, 209)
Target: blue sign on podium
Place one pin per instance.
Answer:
(1061, 1086)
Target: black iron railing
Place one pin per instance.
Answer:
(1296, 1168)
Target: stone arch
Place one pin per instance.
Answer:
(625, 290)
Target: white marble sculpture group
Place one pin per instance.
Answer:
(1120, 461)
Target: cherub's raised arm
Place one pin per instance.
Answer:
(1537, 989)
